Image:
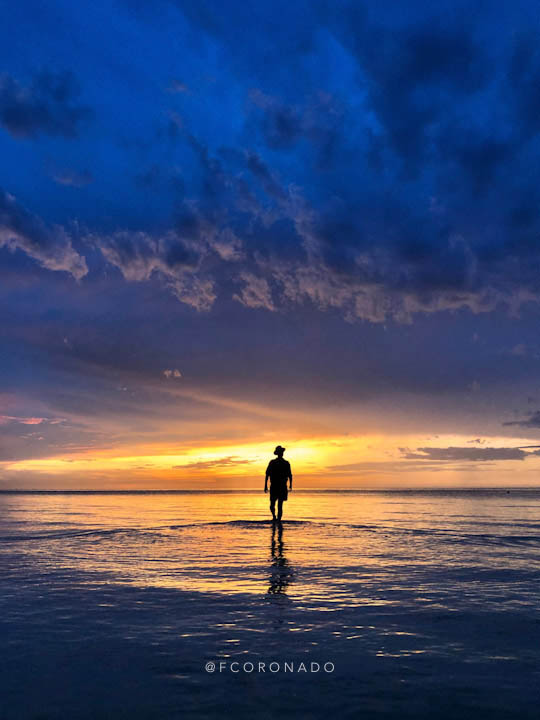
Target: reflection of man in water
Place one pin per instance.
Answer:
(281, 573)
(279, 471)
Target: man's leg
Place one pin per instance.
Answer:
(279, 508)
(273, 507)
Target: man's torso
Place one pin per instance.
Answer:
(279, 471)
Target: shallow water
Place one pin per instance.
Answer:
(420, 603)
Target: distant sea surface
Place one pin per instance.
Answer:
(412, 604)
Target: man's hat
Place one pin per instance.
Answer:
(278, 450)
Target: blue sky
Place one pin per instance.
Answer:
(330, 208)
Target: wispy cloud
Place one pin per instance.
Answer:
(176, 86)
(460, 454)
(73, 178)
(533, 421)
(4, 419)
(50, 246)
(141, 255)
(174, 373)
(225, 462)
(256, 292)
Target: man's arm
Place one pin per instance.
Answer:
(266, 479)
(290, 477)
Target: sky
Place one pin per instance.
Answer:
(228, 226)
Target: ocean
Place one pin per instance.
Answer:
(390, 604)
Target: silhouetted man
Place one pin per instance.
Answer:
(279, 471)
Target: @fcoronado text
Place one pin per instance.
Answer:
(274, 666)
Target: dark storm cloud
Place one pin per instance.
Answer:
(372, 161)
(414, 76)
(50, 246)
(48, 105)
(441, 223)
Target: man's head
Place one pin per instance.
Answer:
(279, 451)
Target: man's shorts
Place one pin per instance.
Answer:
(278, 491)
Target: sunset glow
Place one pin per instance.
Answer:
(364, 461)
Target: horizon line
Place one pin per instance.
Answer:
(256, 490)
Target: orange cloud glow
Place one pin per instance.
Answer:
(319, 462)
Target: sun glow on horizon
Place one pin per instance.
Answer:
(228, 458)
(335, 461)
